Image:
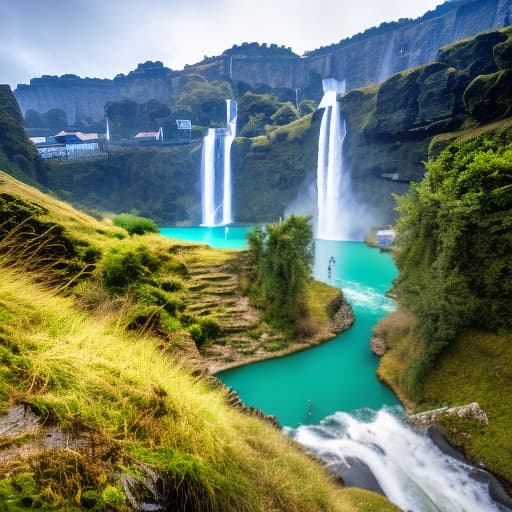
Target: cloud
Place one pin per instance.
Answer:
(103, 38)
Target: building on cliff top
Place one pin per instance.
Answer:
(68, 145)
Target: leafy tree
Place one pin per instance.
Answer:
(281, 257)
(455, 238)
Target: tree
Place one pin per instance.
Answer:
(281, 257)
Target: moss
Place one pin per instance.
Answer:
(463, 54)
(503, 54)
(489, 97)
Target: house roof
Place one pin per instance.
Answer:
(147, 135)
(85, 137)
(38, 140)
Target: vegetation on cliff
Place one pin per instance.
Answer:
(113, 413)
(18, 156)
(449, 343)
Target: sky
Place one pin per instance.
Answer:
(101, 38)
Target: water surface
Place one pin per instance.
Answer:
(220, 237)
(339, 375)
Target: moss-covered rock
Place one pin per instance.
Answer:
(270, 169)
(489, 97)
(418, 102)
(503, 54)
(475, 55)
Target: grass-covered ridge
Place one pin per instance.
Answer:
(115, 404)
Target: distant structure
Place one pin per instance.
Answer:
(184, 129)
(150, 137)
(68, 145)
(384, 238)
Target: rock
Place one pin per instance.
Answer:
(355, 473)
(471, 411)
(341, 313)
(378, 345)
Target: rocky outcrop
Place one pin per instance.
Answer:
(18, 156)
(378, 345)
(341, 313)
(471, 411)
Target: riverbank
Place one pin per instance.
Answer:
(330, 315)
(476, 368)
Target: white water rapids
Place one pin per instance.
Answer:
(410, 469)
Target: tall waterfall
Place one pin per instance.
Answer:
(216, 182)
(331, 178)
(407, 466)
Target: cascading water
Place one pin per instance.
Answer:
(216, 188)
(408, 467)
(331, 179)
(386, 63)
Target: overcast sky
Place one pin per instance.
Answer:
(102, 38)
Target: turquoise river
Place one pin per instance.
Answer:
(329, 400)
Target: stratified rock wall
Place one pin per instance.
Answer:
(364, 59)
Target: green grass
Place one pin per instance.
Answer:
(132, 399)
(477, 367)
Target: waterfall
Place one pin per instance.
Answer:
(407, 466)
(330, 173)
(386, 63)
(216, 182)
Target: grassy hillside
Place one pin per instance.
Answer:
(107, 417)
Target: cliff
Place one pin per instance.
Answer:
(18, 155)
(366, 58)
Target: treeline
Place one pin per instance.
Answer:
(455, 245)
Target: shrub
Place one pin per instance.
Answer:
(122, 267)
(135, 225)
(204, 330)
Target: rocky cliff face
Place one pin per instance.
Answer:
(364, 59)
(18, 156)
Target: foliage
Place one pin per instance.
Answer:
(455, 244)
(284, 114)
(281, 257)
(18, 155)
(127, 117)
(134, 224)
(122, 267)
(204, 330)
(202, 101)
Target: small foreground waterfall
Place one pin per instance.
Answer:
(406, 466)
(331, 180)
(216, 187)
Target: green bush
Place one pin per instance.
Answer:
(135, 225)
(122, 267)
(455, 240)
(153, 296)
(280, 258)
(204, 330)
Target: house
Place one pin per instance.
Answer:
(150, 137)
(68, 145)
(384, 238)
